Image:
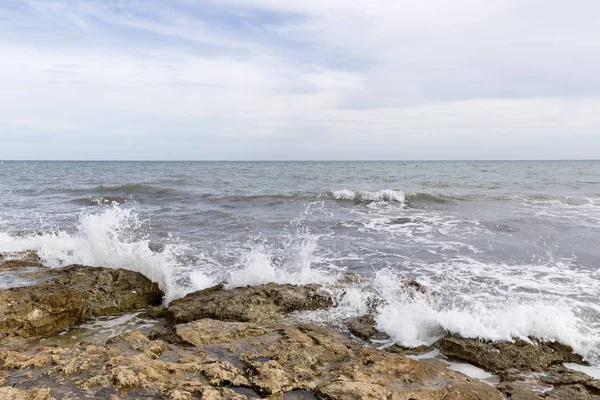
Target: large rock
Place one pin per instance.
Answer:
(106, 291)
(501, 356)
(238, 362)
(39, 310)
(260, 304)
(67, 296)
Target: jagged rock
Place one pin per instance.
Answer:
(363, 327)
(18, 260)
(248, 304)
(67, 296)
(501, 356)
(210, 331)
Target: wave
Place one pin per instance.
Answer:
(391, 196)
(100, 200)
(397, 196)
(108, 239)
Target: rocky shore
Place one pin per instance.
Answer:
(240, 344)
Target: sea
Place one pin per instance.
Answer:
(505, 249)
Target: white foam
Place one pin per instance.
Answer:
(474, 372)
(362, 195)
(594, 372)
(259, 266)
(414, 319)
(108, 239)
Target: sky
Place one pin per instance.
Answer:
(299, 79)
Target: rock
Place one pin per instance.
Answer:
(67, 296)
(18, 260)
(560, 375)
(501, 356)
(9, 393)
(515, 391)
(39, 310)
(570, 392)
(363, 327)
(259, 304)
(399, 349)
(107, 291)
(210, 331)
(285, 359)
(375, 375)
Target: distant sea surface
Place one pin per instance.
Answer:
(506, 249)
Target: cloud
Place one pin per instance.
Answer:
(265, 79)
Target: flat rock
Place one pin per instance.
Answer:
(376, 375)
(258, 304)
(502, 356)
(300, 358)
(210, 331)
(67, 296)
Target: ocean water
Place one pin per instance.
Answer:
(506, 249)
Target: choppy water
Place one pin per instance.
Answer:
(510, 249)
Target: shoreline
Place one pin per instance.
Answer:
(241, 343)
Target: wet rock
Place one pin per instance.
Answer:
(210, 331)
(570, 392)
(363, 327)
(399, 349)
(67, 296)
(502, 356)
(376, 375)
(39, 310)
(560, 375)
(107, 291)
(18, 260)
(260, 304)
(516, 391)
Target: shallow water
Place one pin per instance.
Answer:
(507, 249)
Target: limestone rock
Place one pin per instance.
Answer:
(375, 375)
(39, 310)
(67, 296)
(258, 304)
(210, 331)
(501, 356)
(107, 291)
(9, 393)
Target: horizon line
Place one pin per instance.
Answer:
(302, 160)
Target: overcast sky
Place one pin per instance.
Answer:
(300, 79)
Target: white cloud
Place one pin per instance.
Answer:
(329, 79)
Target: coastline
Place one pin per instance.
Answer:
(242, 343)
